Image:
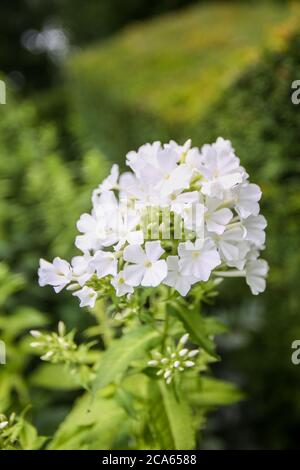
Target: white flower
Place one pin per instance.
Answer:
(128, 183)
(182, 283)
(198, 259)
(253, 253)
(147, 269)
(87, 296)
(255, 229)
(240, 260)
(93, 232)
(179, 202)
(164, 174)
(194, 160)
(256, 273)
(125, 230)
(221, 168)
(111, 222)
(180, 150)
(247, 197)
(105, 263)
(176, 180)
(229, 245)
(109, 183)
(146, 155)
(82, 269)
(57, 274)
(216, 218)
(120, 285)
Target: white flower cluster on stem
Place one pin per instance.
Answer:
(181, 215)
(174, 360)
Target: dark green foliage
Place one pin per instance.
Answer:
(28, 71)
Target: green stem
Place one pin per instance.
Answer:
(166, 328)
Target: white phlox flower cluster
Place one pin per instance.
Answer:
(55, 346)
(174, 360)
(181, 215)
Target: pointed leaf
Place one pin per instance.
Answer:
(117, 358)
(170, 421)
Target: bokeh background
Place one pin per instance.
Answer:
(89, 81)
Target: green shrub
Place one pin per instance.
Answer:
(41, 195)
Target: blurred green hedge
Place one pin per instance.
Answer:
(258, 115)
(158, 80)
(42, 195)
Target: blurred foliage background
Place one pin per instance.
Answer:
(87, 82)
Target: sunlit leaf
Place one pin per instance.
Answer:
(118, 357)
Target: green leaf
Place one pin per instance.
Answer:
(92, 424)
(214, 327)
(195, 325)
(209, 392)
(29, 439)
(170, 422)
(126, 400)
(9, 283)
(121, 353)
(22, 319)
(53, 376)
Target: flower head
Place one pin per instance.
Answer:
(181, 215)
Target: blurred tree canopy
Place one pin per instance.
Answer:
(26, 70)
(182, 65)
(84, 22)
(99, 19)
